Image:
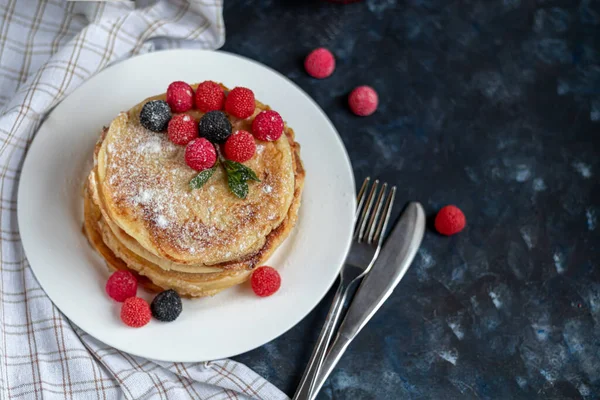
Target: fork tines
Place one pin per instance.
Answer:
(373, 211)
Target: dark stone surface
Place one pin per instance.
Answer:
(487, 104)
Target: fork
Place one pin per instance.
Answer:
(370, 221)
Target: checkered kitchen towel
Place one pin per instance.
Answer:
(48, 48)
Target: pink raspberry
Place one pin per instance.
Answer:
(363, 101)
(240, 102)
(320, 63)
(267, 126)
(135, 312)
(265, 281)
(240, 147)
(121, 285)
(200, 154)
(450, 220)
(180, 97)
(182, 129)
(209, 96)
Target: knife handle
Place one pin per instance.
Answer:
(377, 286)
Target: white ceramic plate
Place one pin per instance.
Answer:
(234, 321)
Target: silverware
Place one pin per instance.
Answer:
(370, 221)
(395, 258)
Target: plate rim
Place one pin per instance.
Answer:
(165, 53)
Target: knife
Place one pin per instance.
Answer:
(396, 256)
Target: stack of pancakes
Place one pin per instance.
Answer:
(142, 216)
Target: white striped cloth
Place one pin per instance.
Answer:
(47, 49)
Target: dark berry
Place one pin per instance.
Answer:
(215, 126)
(166, 306)
(155, 115)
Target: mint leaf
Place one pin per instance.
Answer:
(248, 173)
(199, 180)
(236, 167)
(237, 185)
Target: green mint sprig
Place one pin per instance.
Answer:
(238, 176)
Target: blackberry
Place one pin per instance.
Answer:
(215, 126)
(155, 115)
(166, 306)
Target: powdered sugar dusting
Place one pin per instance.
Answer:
(162, 221)
(149, 180)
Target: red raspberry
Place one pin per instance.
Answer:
(240, 146)
(209, 96)
(200, 154)
(180, 97)
(320, 63)
(182, 129)
(450, 220)
(240, 102)
(267, 126)
(135, 312)
(363, 101)
(265, 281)
(121, 285)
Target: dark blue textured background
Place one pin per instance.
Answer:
(492, 105)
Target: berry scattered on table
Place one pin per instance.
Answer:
(240, 102)
(450, 220)
(209, 96)
(215, 126)
(265, 281)
(180, 97)
(267, 126)
(121, 285)
(155, 115)
(166, 306)
(135, 312)
(200, 154)
(240, 146)
(182, 129)
(320, 63)
(363, 101)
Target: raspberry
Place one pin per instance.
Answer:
(320, 63)
(239, 147)
(200, 154)
(363, 101)
(121, 285)
(267, 126)
(265, 281)
(155, 115)
(215, 126)
(450, 220)
(182, 129)
(240, 102)
(135, 312)
(180, 97)
(209, 96)
(166, 306)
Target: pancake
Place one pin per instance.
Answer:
(212, 240)
(143, 183)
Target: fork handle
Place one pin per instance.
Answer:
(318, 354)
